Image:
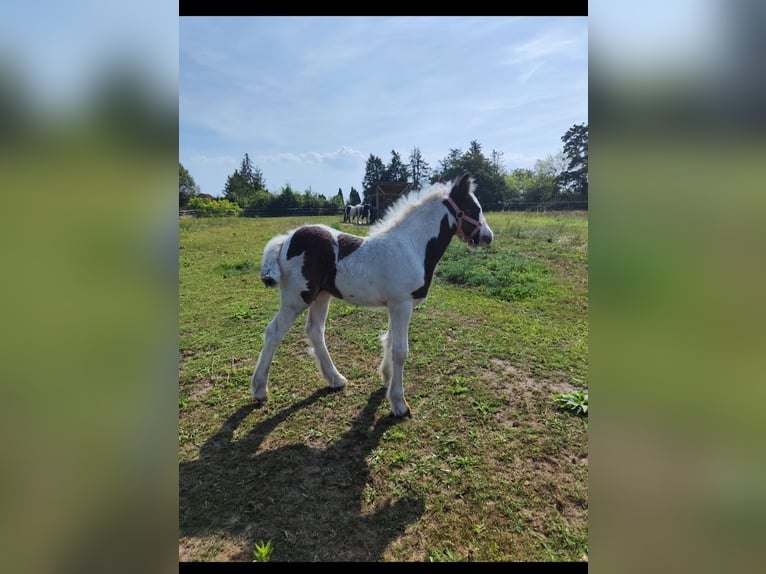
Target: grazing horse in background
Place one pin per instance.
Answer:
(373, 216)
(355, 212)
(392, 267)
(347, 214)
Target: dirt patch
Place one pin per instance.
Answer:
(202, 388)
(518, 388)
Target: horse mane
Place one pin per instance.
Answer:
(403, 206)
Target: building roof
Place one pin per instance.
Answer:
(393, 188)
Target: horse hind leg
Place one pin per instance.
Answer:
(275, 332)
(315, 324)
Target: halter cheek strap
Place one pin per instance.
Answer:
(460, 216)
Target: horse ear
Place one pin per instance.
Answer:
(462, 185)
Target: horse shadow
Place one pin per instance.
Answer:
(307, 501)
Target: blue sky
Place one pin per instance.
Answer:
(310, 98)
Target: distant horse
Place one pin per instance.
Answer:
(347, 214)
(392, 267)
(373, 215)
(354, 212)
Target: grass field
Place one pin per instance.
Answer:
(489, 468)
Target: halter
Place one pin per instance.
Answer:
(460, 216)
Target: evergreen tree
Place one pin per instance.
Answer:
(353, 197)
(491, 187)
(236, 189)
(374, 172)
(450, 166)
(396, 170)
(420, 171)
(287, 199)
(575, 178)
(251, 174)
(243, 185)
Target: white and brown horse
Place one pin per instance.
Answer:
(391, 268)
(356, 212)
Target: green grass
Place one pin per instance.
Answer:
(488, 468)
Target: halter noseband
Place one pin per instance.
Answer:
(460, 216)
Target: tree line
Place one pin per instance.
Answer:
(557, 181)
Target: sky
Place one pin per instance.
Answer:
(60, 49)
(310, 98)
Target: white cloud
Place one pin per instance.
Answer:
(341, 158)
(542, 47)
(219, 160)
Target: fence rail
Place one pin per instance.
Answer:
(553, 205)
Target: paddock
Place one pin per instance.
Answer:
(502, 329)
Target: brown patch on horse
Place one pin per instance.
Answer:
(317, 246)
(347, 244)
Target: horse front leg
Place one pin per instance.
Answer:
(315, 323)
(386, 368)
(398, 330)
(275, 331)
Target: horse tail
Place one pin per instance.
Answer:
(270, 273)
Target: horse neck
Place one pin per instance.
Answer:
(420, 225)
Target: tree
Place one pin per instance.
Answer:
(420, 171)
(449, 167)
(252, 175)
(243, 185)
(575, 178)
(544, 186)
(339, 198)
(373, 173)
(236, 189)
(187, 187)
(496, 162)
(517, 184)
(490, 183)
(287, 199)
(396, 170)
(353, 197)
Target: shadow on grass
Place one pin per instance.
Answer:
(307, 501)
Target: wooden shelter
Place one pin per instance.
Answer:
(383, 193)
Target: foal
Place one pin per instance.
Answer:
(391, 268)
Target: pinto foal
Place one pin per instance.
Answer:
(391, 268)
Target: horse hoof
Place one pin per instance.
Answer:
(338, 383)
(258, 395)
(402, 413)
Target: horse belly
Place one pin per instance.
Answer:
(360, 291)
(377, 287)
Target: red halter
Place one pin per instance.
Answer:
(460, 216)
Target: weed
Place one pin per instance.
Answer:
(262, 551)
(574, 401)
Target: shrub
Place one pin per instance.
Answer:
(207, 207)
